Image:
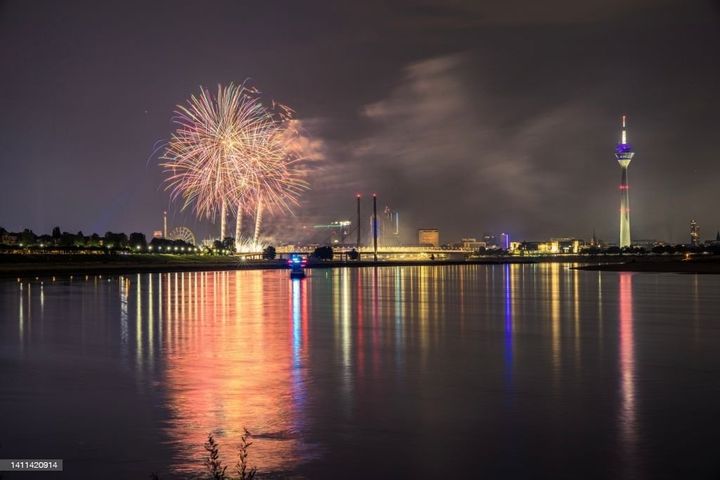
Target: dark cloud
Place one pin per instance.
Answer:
(469, 116)
(455, 14)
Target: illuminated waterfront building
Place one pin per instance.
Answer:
(8, 238)
(490, 240)
(694, 233)
(471, 244)
(429, 237)
(553, 246)
(505, 241)
(338, 231)
(388, 228)
(566, 245)
(499, 240)
(624, 154)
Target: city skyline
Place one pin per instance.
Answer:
(378, 239)
(448, 130)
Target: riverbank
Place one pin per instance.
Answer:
(46, 265)
(52, 265)
(659, 264)
(13, 266)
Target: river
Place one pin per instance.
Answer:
(477, 371)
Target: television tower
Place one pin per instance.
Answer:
(624, 154)
(357, 244)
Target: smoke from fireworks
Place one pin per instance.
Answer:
(232, 153)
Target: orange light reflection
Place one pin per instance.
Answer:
(232, 366)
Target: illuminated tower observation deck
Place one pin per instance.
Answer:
(624, 154)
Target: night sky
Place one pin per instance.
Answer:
(467, 116)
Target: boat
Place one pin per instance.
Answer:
(297, 263)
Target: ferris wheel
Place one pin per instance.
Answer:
(184, 234)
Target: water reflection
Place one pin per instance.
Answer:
(138, 327)
(232, 366)
(509, 287)
(124, 289)
(399, 305)
(554, 272)
(355, 361)
(576, 317)
(627, 417)
(21, 315)
(300, 350)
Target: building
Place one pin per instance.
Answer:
(471, 244)
(429, 237)
(334, 232)
(694, 233)
(497, 241)
(624, 154)
(388, 228)
(553, 246)
(566, 245)
(505, 241)
(647, 244)
(9, 238)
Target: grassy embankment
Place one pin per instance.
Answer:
(79, 264)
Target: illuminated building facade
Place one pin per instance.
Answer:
(624, 154)
(471, 244)
(429, 237)
(554, 246)
(499, 240)
(388, 228)
(694, 233)
(505, 241)
(338, 231)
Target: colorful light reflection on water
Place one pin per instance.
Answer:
(552, 366)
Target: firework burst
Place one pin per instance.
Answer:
(232, 153)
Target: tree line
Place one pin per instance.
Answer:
(67, 241)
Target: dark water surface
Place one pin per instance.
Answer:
(522, 371)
